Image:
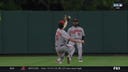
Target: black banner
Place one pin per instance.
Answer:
(64, 69)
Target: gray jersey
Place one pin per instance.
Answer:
(76, 32)
(61, 37)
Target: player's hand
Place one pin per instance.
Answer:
(82, 41)
(67, 17)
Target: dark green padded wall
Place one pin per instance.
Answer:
(34, 31)
(40, 26)
(115, 31)
(93, 26)
(15, 31)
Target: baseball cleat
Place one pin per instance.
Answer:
(59, 61)
(80, 60)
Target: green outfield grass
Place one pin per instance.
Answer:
(51, 61)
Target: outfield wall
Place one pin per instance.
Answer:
(25, 32)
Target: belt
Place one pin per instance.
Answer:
(60, 45)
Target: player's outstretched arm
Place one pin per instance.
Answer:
(78, 41)
(66, 19)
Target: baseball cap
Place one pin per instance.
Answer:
(61, 22)
(75, 20)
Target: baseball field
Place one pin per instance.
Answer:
(112, 60)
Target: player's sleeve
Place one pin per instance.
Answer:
(83, 34)
(65, 35)
(69, 31)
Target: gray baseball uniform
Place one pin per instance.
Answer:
(61, 39)
(77, 33)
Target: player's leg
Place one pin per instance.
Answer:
(79, 47)
(71, 47)
(58, 58)
(60, 54)
(71, 50)
(67, 50)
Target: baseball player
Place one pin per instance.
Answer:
(77, 32)
(61, 38)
